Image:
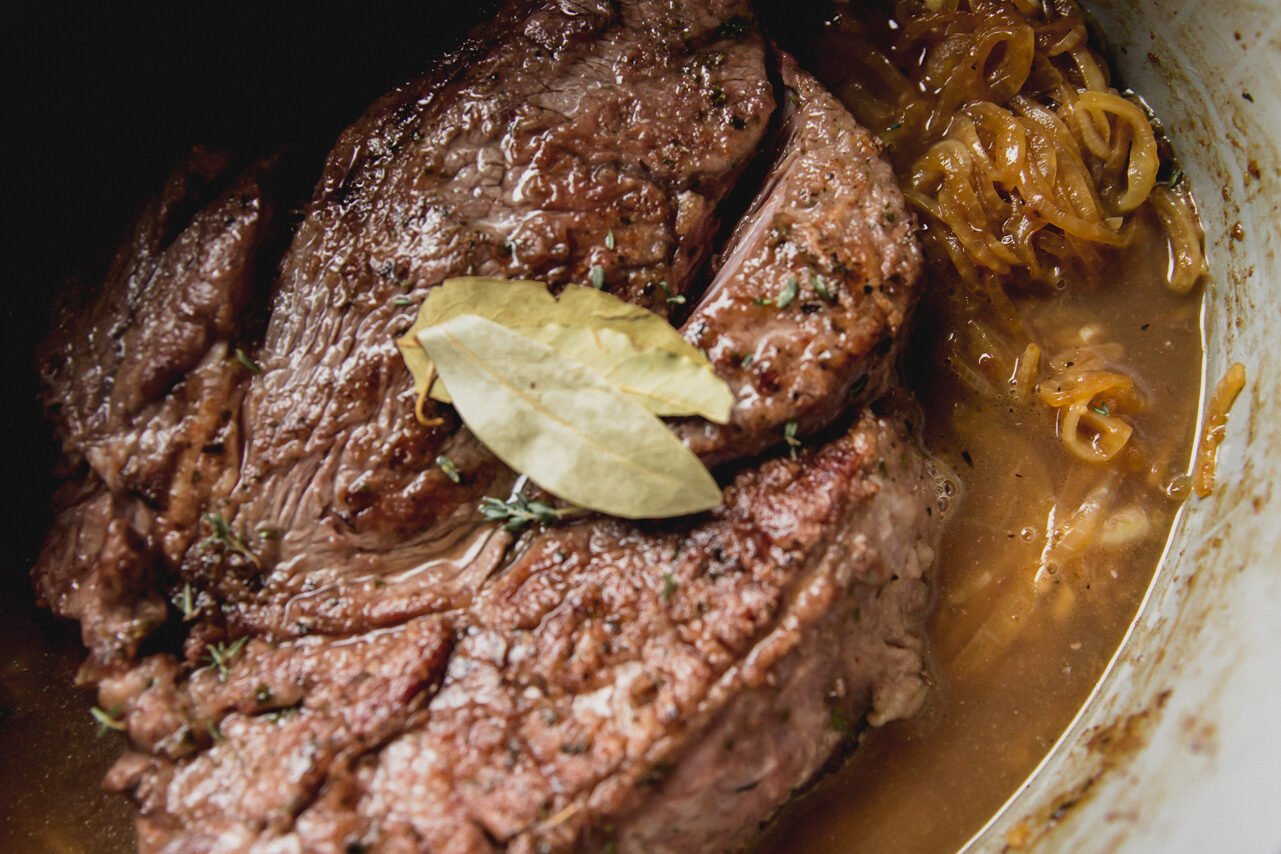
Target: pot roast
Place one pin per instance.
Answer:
(311, 636)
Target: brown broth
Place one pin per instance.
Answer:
(51, 798)
(1013, 660)
(997, 706)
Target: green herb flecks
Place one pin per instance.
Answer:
(221, 655)
(789, 436)
(450, 470)
(788, 292)
(518, 512)
(1103, 409)
(247, 363)
(1176, 178)
(673, 299)
(669, 586)
(223, 535)
(402, 301)
(822, 288)
(108, 720)
(597, 276)
(187, 603)
(762, 301)
(747, 360)
(609, 241)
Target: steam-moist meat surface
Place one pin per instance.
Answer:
(518, 158)
(366, 662)
(142, 387)
(815, 283)
(660, 687)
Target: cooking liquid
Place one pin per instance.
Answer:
(1017, 641)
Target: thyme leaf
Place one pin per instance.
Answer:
(788, 292)
(673, 299)
(789, 436)
(186, 601)
(107, 720)
(450, 470)
(821, 288)
(669, 586)
(221, 655)
(247, 363)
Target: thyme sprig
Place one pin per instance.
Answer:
(221, 655)
(517, 512)
(223, 534)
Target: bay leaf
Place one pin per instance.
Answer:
(663, 382)
(562, 425)
(629, 346)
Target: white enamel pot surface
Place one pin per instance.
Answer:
(1180, 747)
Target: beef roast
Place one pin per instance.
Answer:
(367, 663)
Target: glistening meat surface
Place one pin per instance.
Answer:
(367, 663)
(663, 687)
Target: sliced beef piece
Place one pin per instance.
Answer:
(142, 385)
(97, 568)
(173, 298)
(814, 285)
(241, 749)
(663, 687)
(558, 125)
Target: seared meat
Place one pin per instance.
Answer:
(141, 383)
(663, 687)
(814, 286)
(517, 158)
(368, 663)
